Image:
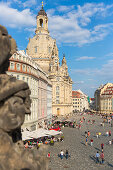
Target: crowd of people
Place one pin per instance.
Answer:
(98, 135)
(43, 140)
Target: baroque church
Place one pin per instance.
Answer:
(43, 49)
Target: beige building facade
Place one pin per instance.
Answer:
(43, 49)
(104, 99)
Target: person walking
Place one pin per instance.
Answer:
(86, 141)
(97, 135)
(67, 154)
(88, 133)
(109, 132)
(102, 157)
(91, 142)
(49, 156)
(61, 154)
(97, 157)
(102, 146)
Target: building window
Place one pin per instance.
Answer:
(27, 69)
(35, 49)
(57, 93)
(23, 67)
(23, 58)
(14, 56)
(57, 101)
(17, 77)
(18, 67)
(19, 57)
(57, 88)
(12, 66)
(23, 78)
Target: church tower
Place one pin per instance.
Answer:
(42, 22)
(41, 46)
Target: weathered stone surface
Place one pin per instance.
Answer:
(14, 104)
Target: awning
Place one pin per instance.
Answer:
(39, 133)
(54, 132)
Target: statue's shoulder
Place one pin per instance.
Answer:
(5, 142)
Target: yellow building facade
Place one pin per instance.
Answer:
(104, 99)
(43, 49)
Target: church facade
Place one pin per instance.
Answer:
(43, 49)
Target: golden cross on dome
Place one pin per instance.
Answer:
(42, 4)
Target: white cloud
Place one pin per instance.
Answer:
(29, 3)
(72, 27)
(79, 82)
(65, 8)
(11, 17)
(109, 55)
(105, 72)
(85, 58)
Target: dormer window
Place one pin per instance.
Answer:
(41, 22)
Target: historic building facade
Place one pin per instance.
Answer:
(43, 49)
(24, 68)
(104, 99)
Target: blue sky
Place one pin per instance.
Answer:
(83, 30)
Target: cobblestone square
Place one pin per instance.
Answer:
(83, 157)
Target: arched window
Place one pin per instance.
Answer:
(57, 88)
(41, 22)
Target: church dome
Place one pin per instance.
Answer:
(42, 12)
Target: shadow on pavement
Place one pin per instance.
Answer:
(93, 158)
(83, 143)
(109, 164)
(97, 149)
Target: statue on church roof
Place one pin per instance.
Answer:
(63, 60)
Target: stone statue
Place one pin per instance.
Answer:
(14, 104)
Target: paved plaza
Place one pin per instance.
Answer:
(83, 157)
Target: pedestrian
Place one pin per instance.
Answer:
(86, 141)
(79, 126)
(97, 135)
(97, 157)
(88, 133)
(49, 155)
(102, 146)
(109, 133)
(91, 142)
(110, 142)
(102, 157)
(61, 154)
(67, 154)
